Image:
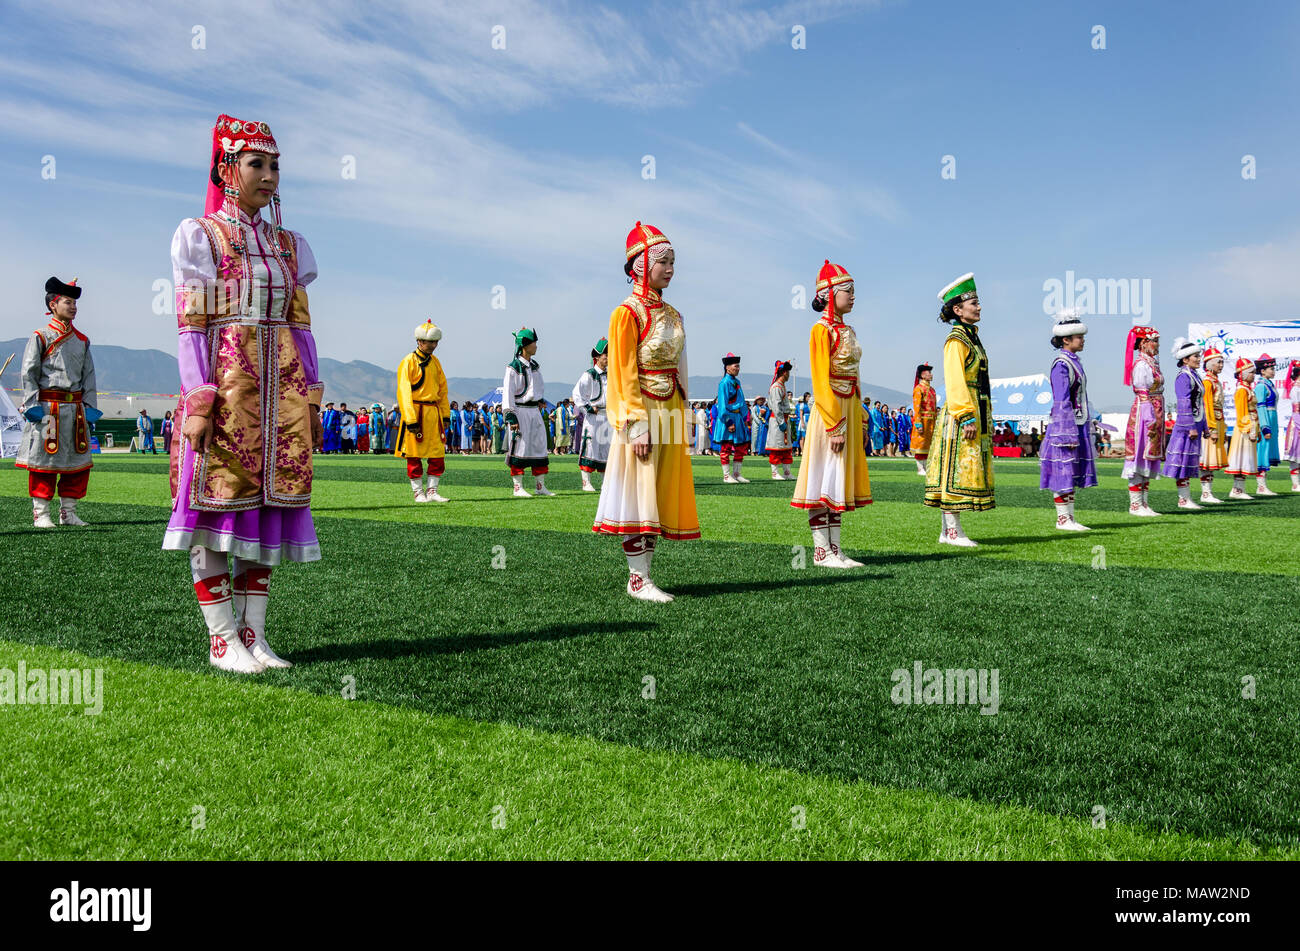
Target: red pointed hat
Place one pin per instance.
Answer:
(232, 137)
(639, 241)
(830, 277)
(1243, 363)
(1209, 353)
(642, 238)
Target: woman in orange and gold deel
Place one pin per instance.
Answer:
(648, 492)
(833, 476)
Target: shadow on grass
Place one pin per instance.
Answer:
(434, 506)
(390, 648)
(841, 576)
(93, 528)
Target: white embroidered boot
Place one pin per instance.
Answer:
(431, 494)
(1074, 522)
(834, 538)
(639, 585)
(735, 471)
(1147, 510)
(1295, 480)
(417, 486)
(785, 470)
(41, 514)
(1065, 515)
(1134, 497)
(252, 583)
(1185, 495)
(213, 588)
(1207, 491)
(1239, 488)
(1062, 513)
(541, 486)
(520, 491)
(1261, 484)
(920, 467)
(776, 473)
(953, 533)
(823, 557)
(586, 481)
(727, 477)
(68, 512)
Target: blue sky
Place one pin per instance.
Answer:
(522, 167)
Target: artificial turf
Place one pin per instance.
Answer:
(1120, 686)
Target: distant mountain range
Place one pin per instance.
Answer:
(123, 370)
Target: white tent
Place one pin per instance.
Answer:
(1021, 399)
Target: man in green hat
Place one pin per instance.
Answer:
(589, 396)
(524, 401)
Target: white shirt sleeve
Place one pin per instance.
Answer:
(508, 391)
(191, 256)
(307, 271)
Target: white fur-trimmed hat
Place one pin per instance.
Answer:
(428, 331)
(1185, 348)
(1068, 323)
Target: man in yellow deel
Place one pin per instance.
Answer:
(423, 402)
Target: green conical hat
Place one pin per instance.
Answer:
(961, 289)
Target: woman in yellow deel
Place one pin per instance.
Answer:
(648, 490)
(960, 475)
(833, 476)
(422, 400)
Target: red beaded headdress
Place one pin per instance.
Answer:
(828, 278)
(1135, 333)
(230, 138)
(1243, 363)
(1287, 384)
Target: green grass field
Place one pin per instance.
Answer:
(501, 713)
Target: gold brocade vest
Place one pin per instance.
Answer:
(660, 339)
(845, 355)
(261, 449)
(1215, 389)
